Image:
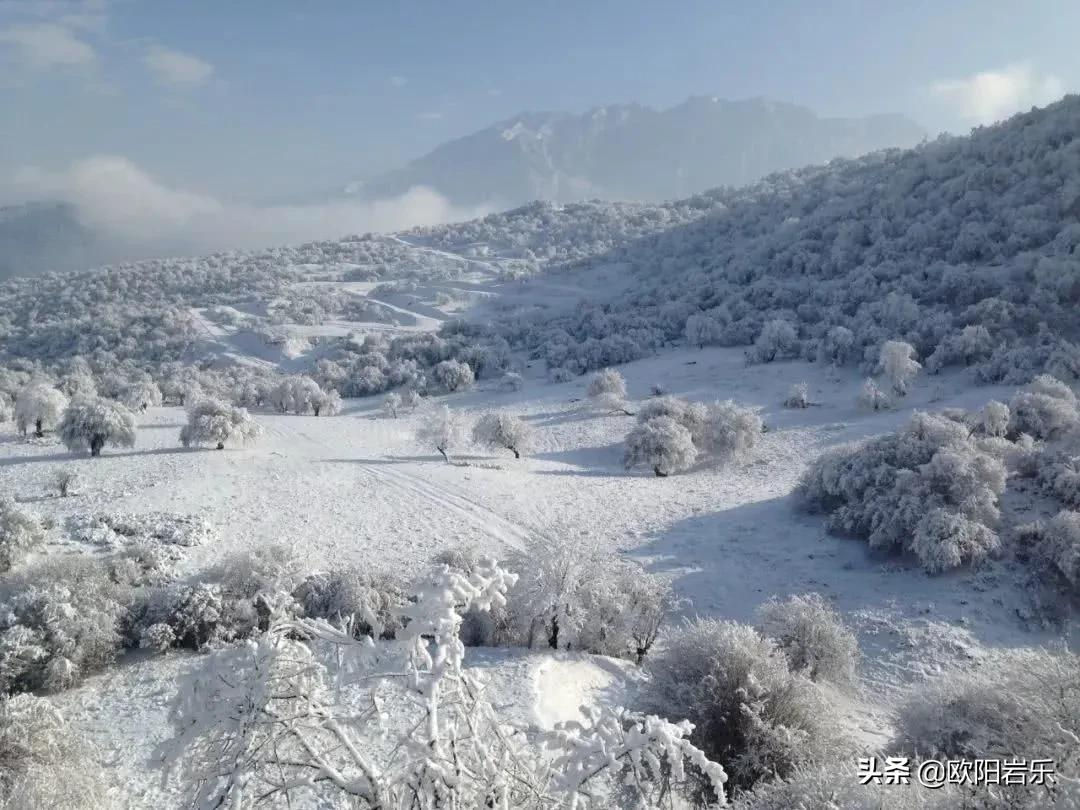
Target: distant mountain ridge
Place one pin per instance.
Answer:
(634, 152)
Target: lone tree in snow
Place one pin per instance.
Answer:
(872, 398)
(326, 403)
(142, 395)
(897, 360)
(211, 421)
(40, 405)
(662, 444)
(90, 423)
(777, 339)
(500, 429)
(392, 405)
(442, 429)
(453, 375)
(608, 389)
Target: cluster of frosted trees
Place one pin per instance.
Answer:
(446, 430)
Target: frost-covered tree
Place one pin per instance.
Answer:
(298, 393)
(20, 533)
(837, 346)
(777, 339)
(511, 381)
(607, 388)
(142, 394)
(729, 431)
(411, 399)
(64, 481)
(392, 404)
(498, 429)
(897, 362)
(326, 403)
(443, 429)
(994, 419)
(702, 330)
(91, 424)
(210, 421)
(40, 406)
(1046, 409)
(1056, 543)
(272, 732)
(798, 396)
(661, 444)
(6, 408)
(453, 375)
(872, 398)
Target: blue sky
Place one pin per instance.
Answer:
(261, 99)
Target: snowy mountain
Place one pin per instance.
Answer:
(633, 152)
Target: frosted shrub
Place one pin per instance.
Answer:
(60, 623)
(442, 429)
(872, 398)
(91, 424)
(142, 395)
(274, 730)
(812, 636)
(729, 431)
(749, 710)
(607, 383)
(1047, 409)
(453, 375)
(45, 762)
(837, 347)
(661, 444)
(411, 399)
(1016, 703)
(897, 363)
(369, 604)
(499, 429)
(777, 339)
(6, 409)
(994, 419)
(927, 489)
(301, 394)
(157, 637)
(326, 403)
(1058, 474)
(511, 381)
(798, 396)
(1056, 543)
(392, 405)
(560, 374)
(39, 406)
(64, 481)
(210, 421)
(568, 598)
(702, 330)
(20, 533)
(496, 626)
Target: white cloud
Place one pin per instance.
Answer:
(45, 45)
(991, 95)
(116, 198)
(176, 68)
(398, 81)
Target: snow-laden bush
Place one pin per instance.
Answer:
(837, 346)
(20, 533)
(60, 622)
(211, 421)
(326, 403)
(560, 374)
(91, 424)
(391, 405)
(39, 406)
(453, 375)
(730, 431)
(1056, 544)
(872, 398)
(45, 762)
(778, 339)
(118, 530)
(702, 330)
(64, 482)
(443, 429)
(812, 636)
(1058, 473)
(928, 489)
(250, 734)
(798, 396)
(498, 429)
(1016, 703)
(1047, 409)
(607, 389)
(573, 599)
(993, 419)
(749, 710)
(511, 381)
(142, 394)
(661, 444)
(897, 363)
(367, 603)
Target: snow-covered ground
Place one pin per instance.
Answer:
(358, 487)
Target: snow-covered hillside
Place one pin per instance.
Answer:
(820, 501)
